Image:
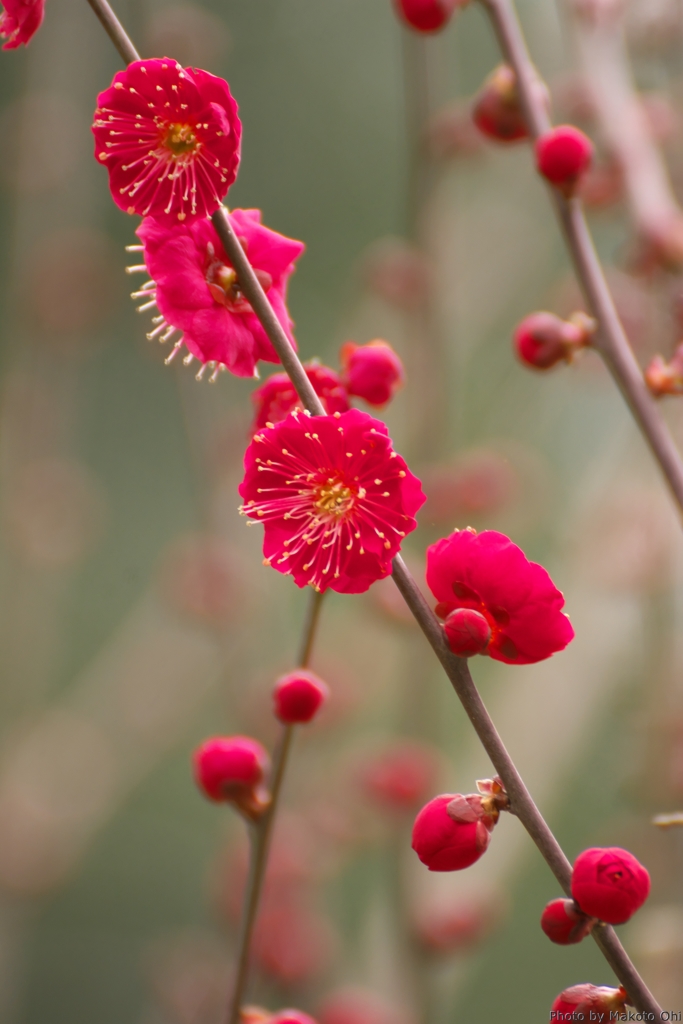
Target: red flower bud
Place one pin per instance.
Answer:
(452, 831)
(609, 883)
(425, 15)
(232, 768)
(496, 111)
(373, 372)
(581, 999)
(542, 339)
(562, 155)
(467, 631)
(564, 923)
(298, 696)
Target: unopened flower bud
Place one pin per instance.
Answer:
(542, 339)
(564, 923)
(452, 831)
(496, 111)
(666, 378)
(373, 372)
(298, 696)
(582, 999)
(425, 15)
(609, 883)
(232, 769)
(467, 631)
(562, 156)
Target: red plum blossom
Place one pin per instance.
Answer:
(516, 604)
(169, 137)
(334, 497)
(197, 292)
(19, 21)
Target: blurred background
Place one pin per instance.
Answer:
(136, 617)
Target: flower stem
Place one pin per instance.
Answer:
(522, 804)
(260, 832)
(610, 340)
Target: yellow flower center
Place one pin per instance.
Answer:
(180, 138)
(334, 497)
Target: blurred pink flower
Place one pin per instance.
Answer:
(197, 292)
(401, 775)
(170, 139)
(336, 501)
(19, 21)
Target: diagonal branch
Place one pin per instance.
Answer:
(611, 340)
(456, 668)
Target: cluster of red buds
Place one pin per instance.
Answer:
(542, 340)
(453, 830)
(233, 769)
(563, 154)
(666, 378)
(373, 372)
(608, 884)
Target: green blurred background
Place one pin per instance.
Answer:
(136, 617)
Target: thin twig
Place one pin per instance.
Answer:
(611, 340)
(456, 669)
(115, 30)
(260, 832)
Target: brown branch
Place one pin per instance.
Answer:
(115, 30)
(261, 831)
(521, 802)
(611, 340)
(456, 669)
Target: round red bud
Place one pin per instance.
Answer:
(425, 15)
(444, 844)
(577, 1002)
(467, 631)
(224, 764)
(542, 340)
(373, 372)
(564, 923)
(292, 1017)
(609, 883)
(562, 155)
(298, 696)
(496, 110)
